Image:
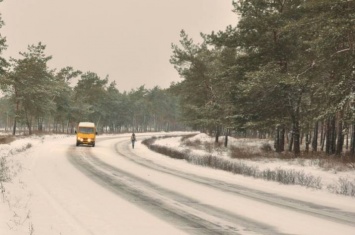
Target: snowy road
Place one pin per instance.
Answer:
(113, 189)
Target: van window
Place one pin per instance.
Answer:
(86, 130)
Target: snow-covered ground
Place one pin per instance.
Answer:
(334, 177)
(48, 195)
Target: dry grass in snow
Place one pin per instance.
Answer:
(255, 158)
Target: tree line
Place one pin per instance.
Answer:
(287, 70)
(38, 98)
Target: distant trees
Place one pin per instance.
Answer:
(64, 111)
(43, 99)
(204, 93)
(90, 96)
(32, 86)
(3, 46)
(37, 98)
(286, 69)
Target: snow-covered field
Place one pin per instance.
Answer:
(29, 199)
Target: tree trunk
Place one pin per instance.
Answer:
(282, 138)
(14, 127)
(328, 138)
(28, 121)
(217, 133)
(330, 146)
(29, 126)
(322, 136)
(40, 124)
(279, 143)
(352, 142)
(276, 140)
(226, 138)
(308, 141)
(16, 112)
(334, 135)
(315, 138)
(290, 144)
(340, 142)
(346, 140)
(296, 138)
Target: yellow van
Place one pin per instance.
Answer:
(86, 133)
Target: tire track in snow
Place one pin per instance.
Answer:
(188, 217)
(321, 211)
(183, 212)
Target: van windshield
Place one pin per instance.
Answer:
(87, 130)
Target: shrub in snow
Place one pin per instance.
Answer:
(238, 167)
(192, 143)
(167, 151)
(308, 180)
(149, 142)
(240, 152)
(344, 187)
(21, 149)
(4, 176)
(292, 177)
(212, 158)
(266, 147)
(6, 139)
(187, 137)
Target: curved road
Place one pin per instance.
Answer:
(186, 211)
(107, 176)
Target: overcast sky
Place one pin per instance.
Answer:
(129, 40)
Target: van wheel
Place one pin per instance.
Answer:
(93, 144)
(77, 143)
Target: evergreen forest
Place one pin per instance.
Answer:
(285, 70)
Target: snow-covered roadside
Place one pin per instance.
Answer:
(333, 180)
(318, 197)
(47, 195)
(16, 196)
(19, 205)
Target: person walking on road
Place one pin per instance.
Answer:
(133, 139)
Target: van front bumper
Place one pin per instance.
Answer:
(87, 141)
